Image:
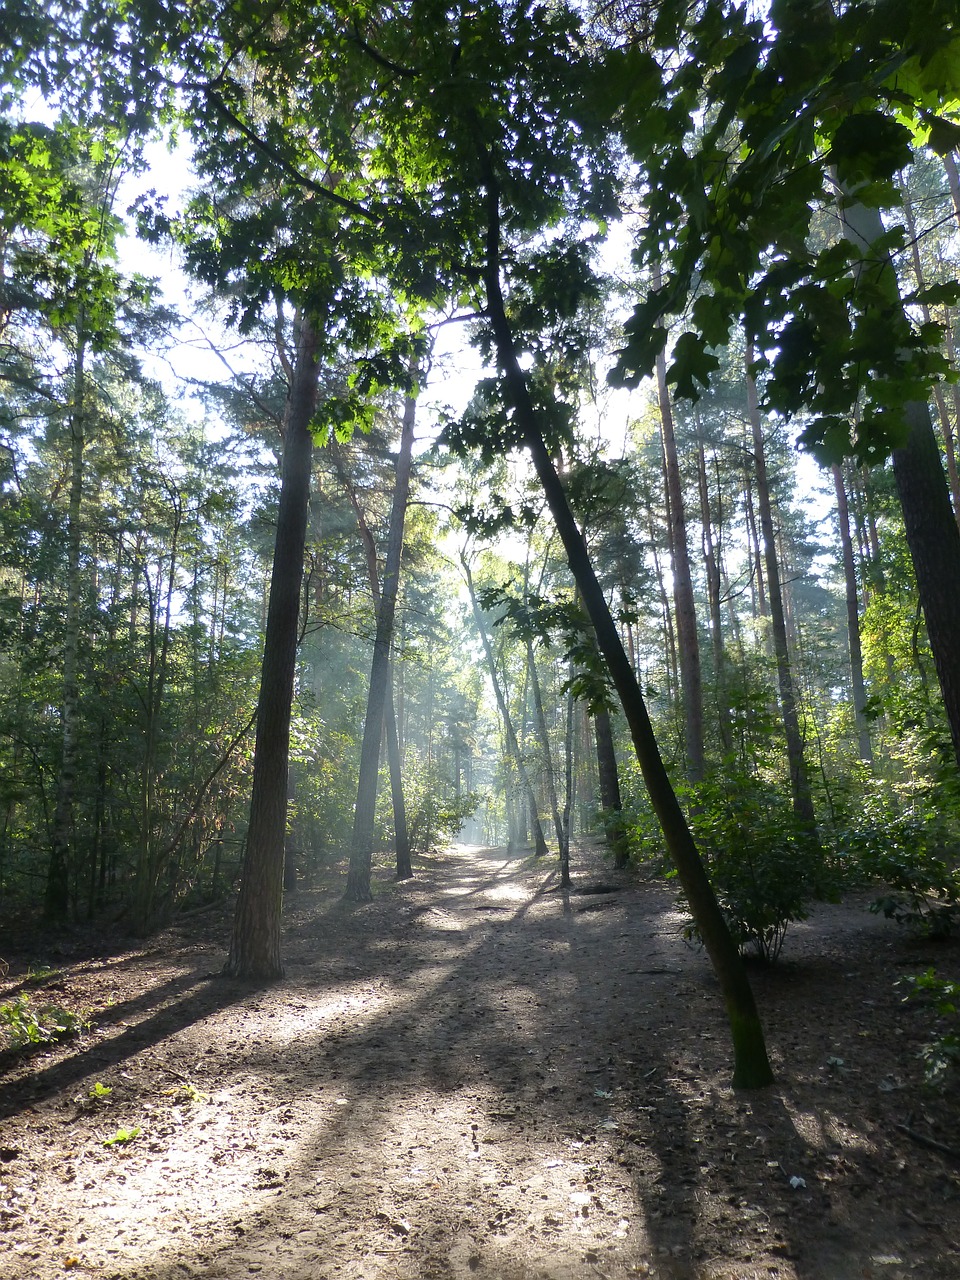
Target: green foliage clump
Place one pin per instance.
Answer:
(915, 855)
(433, 817)
(24, 1023)
(765, 866)
(940, 1055)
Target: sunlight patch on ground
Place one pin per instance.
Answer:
(285, 1022)
(507, 893)
(825, 1131)
(442, 921)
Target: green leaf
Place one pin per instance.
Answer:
(692, 363)
(869, 146)
(944, 135)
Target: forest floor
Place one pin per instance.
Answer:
(477, 1076)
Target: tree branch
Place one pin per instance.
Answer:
(282, 163)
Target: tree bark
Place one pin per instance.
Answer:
(608, 776)
(401, 834)
(751, 1065)
(539, 842)
(544, 738)
(255, 944)
(853, 620)
(378, 698)
(932, 533)
(799, 778)
(713, 594)
(938, 397)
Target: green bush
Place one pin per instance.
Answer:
(765, 867)
(24, 1023)
(912, 852)
(941, 1054)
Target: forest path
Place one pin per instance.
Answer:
(478, 1076)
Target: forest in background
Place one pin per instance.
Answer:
(664, 197)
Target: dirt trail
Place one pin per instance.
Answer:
(477, 1076)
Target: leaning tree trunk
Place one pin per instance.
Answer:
(255, 944)
(378, 699)
(799, 778)
(751, 1065)
(932, 533)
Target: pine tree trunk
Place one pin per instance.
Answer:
(544, 737)
(688, 644)
(378, 698)
(799, 779)
(608, 776)
(938, 397)
(713, 595)
(568, 788)
(255, 944)
(853, 620)
(932, 532)
(540, 844)
(401, 834)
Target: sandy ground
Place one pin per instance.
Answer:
(478, 1076)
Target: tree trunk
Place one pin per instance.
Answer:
(378, 698)
(540, 844)
(757, 591)
(853, 620)
(544, 737)
(938, 397)
(401, 834)
(568, 787)
(799, 779)
(608, 776)
(688, 644)
(713, 594)
(255, 944)
(751, 1065)
(932, 533)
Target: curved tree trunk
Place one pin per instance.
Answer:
(255, 944)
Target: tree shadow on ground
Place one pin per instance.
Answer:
(536, 1051)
